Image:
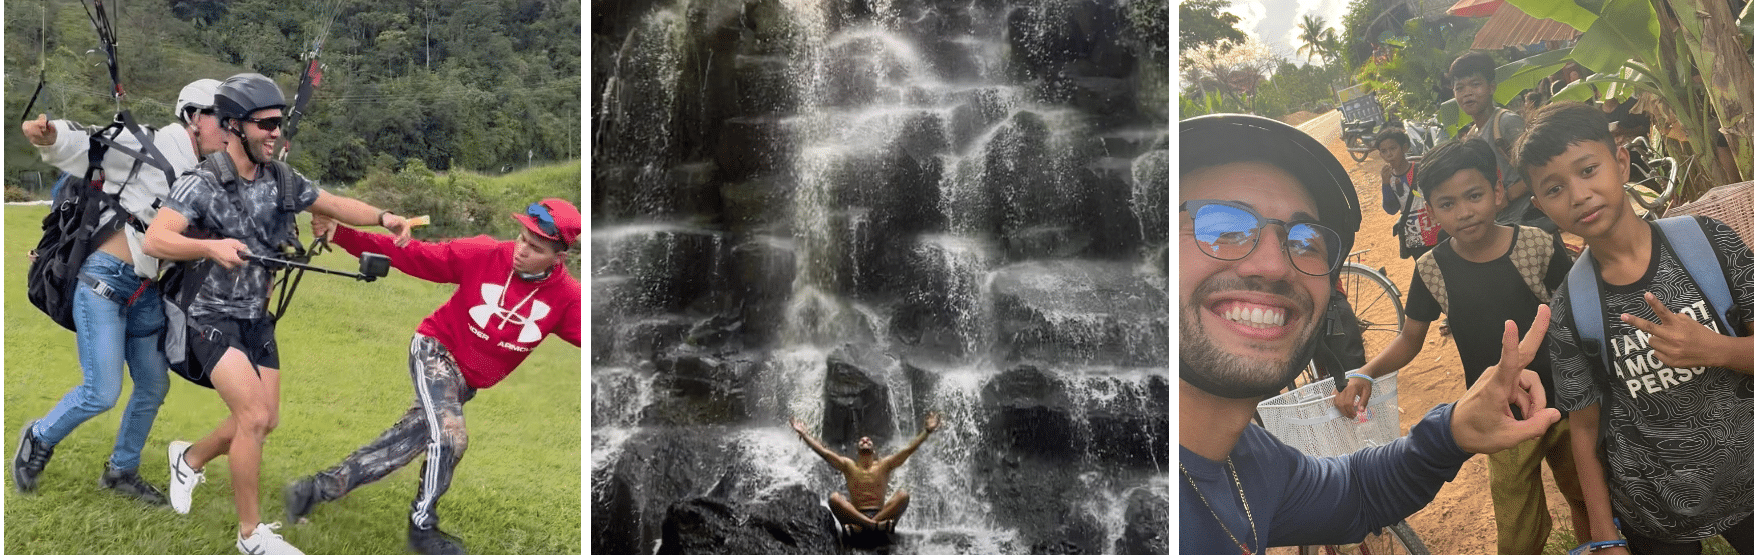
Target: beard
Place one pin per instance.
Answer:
(1214, 370)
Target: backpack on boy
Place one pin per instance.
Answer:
(1530, 255)
(1687, 239)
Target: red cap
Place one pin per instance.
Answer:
(553, 219)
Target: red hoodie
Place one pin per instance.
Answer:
(495, 318)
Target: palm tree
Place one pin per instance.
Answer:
(1315, 36)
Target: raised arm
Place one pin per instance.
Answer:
(837, 461)
(900, 457)
(357, 213)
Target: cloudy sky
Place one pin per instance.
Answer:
(1275, 22)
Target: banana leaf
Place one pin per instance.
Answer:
(1523, 74)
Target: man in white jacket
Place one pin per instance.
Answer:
(118, 313)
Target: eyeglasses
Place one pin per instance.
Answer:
(543, 219)
(266, 124)
(1230, 231)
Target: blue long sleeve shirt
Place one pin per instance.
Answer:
(1296, 499)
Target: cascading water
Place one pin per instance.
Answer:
(856, 214)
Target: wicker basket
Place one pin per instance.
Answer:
(1306, 419)
(1730, 204)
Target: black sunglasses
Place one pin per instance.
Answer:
(1230, 231)
(266, 124)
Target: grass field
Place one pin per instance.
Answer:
(343, 348)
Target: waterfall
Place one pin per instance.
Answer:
(855, 214)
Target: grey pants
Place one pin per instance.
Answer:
(434, 425)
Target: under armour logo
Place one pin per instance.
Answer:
(490, 311)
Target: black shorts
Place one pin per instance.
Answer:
(253, 337)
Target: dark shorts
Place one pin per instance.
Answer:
(254, 338)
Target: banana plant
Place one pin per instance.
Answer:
(1635, 46)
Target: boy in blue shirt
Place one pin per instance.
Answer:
(1661, 421)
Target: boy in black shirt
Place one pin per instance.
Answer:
(1663, 437)
(1484, 274)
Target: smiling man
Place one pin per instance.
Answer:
(1267, 217)
(235, 203)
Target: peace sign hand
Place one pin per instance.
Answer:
(1676, 340)
(1482, 421)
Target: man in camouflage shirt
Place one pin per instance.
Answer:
(235, 204)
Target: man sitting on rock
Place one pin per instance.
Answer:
(868, 478)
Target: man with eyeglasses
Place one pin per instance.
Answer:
(236, 203)
(120, 315)
(510, 295)
(1267, 215)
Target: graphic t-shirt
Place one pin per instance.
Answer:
(248, 212)
(1678, 456)
(1483, 295)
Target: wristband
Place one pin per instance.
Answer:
(1351, 375)
(1593, 546)
(381, 214)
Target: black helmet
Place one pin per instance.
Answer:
(246, 93)
(1219, 139)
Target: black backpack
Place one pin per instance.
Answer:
(75, 226)
(72, 230)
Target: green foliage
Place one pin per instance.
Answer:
(464, 204)
(1355, 46)
(1409, 80)
(468, 84)
(1200, 22)
(15, 194)
(1623, 42)
(1148, 28)
(343, 347)
(1293, 88)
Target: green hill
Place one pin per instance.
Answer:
(483, 85)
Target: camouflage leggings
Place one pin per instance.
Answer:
(434, 425)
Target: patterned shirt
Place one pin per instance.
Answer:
(1678, 451)
(248, 213)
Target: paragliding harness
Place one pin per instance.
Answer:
(182, 281)
(75, 226)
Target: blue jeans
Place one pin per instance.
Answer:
(112, 331)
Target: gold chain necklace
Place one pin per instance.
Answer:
(1221, 521)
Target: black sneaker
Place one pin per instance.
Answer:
(29, 460)
(128, 482)
(433, 541)
(302, 497)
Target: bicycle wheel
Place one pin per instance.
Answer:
(1376, 302)
(1409, 541)
(1397, 539)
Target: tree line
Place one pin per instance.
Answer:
(482, 85)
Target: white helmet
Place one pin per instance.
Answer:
(197, 95)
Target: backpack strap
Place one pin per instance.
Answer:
(1530, 254)
(1585, 300)
(1688, 239)
(1427, 267)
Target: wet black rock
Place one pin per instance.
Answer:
(1081, 312)
(856, 403)
(702, 389)
(791, 521)
(1148, 520)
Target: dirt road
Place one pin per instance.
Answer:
(1460, 520)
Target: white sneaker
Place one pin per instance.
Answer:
(265, 542)
(183, 480)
